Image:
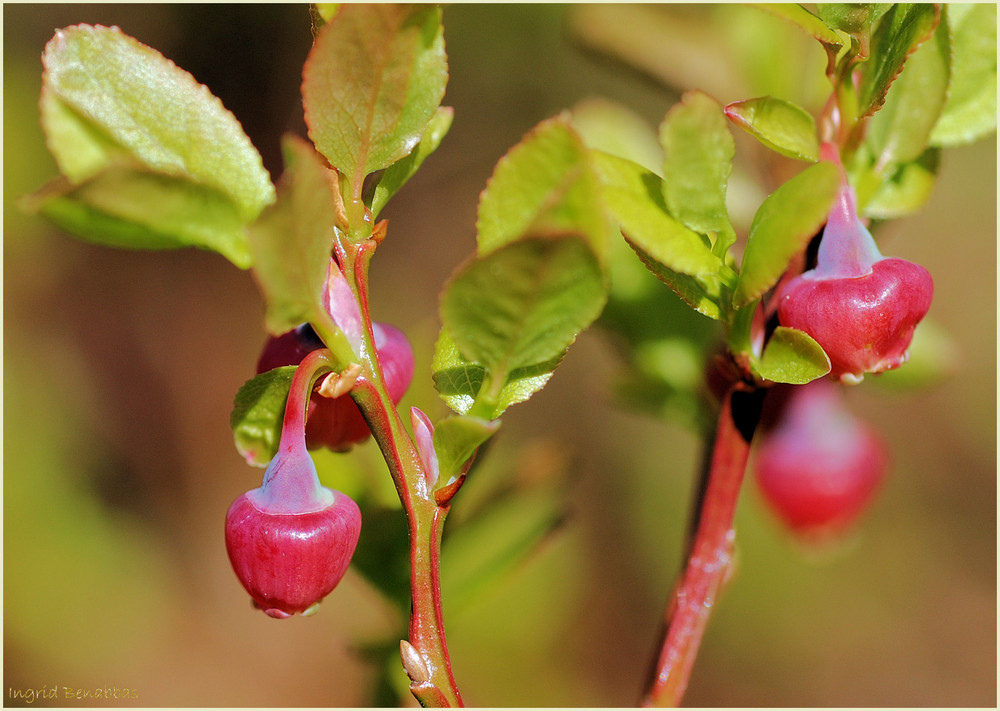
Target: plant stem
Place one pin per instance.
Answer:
(314, 365)
(425, 517)
(710, 553)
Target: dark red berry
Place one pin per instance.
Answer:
(337, 423)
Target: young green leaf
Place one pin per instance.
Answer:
(778, 124)
(458, 380)
(543, 185)
(371, 84)
(782, 228)
(900, 131)
(900, 30)
(698, 158)
(523, 304)
(397, 174)
(107, 98)
(258, 409)
(831, 40)
(793, 357)
(856, 19)
(457, 438)
(634, 196)
(970, 111)
(292, 241)
(135, 209)
(705, 293)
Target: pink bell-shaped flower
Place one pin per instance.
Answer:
(861, 307)
(820, 467)
(290, 541)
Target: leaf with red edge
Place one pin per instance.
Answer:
(900, 31)
(372, 82)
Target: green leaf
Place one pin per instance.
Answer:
(543, 185)
(900, 131)
(782, 228)
(459, 380)
(698, 158)
(320, 13)
(810, 23)
(778, 124)
(970, 111)
(258, 409)
(457, 438)
(524, 303)
(134, 209)
(371, 84)
(107, 98)
(292, 241)
(907, 190)
(397, 174)
(900, 30)
(704, 294)
(856, 19)
(793, 357)
(634, 196)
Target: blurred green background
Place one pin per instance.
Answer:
(120, 368)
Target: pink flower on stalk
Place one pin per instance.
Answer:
(861, 307)
(291, 540)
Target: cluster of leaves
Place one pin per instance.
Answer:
(891, 126)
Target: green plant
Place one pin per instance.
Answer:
(545, 249)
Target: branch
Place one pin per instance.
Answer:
(711, 551)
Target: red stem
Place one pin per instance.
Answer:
(425, 517)
(310, 369)
(711, 551)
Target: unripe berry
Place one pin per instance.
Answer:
(290, 541)
(859, 306)
(337, 423)
(819, 467)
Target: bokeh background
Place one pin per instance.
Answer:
(120, 368)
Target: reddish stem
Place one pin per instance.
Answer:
(309, 371)
(425, 517)
(711, 551)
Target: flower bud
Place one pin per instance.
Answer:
(820, 466)
(290, 541)
(860, 307)
(337, 423)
